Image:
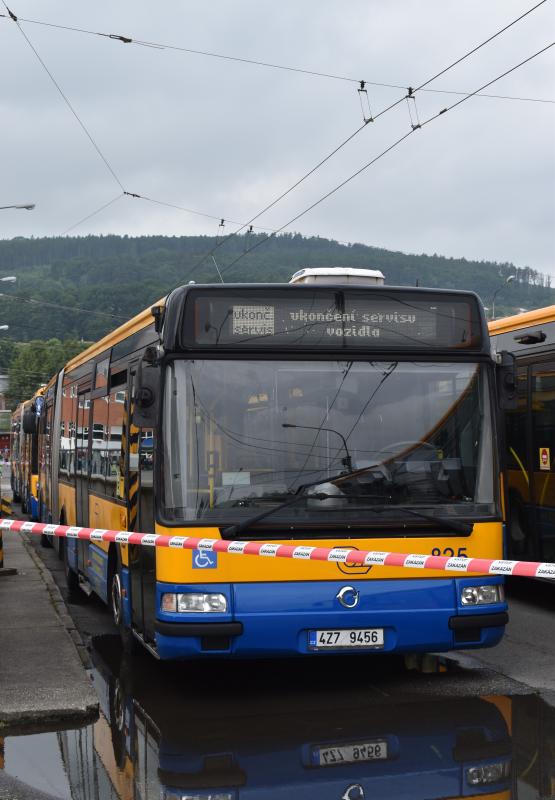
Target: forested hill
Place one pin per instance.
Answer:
(121, 275)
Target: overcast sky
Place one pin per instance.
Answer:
(226, 138)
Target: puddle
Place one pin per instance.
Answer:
(226, 731)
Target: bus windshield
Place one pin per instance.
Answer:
(372, 436)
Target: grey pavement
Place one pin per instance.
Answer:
(527, 651)
(43, 681)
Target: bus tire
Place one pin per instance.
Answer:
(128, 641)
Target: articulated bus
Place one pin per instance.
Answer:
(24, 458)
(530, 433)
(16, 457)
(345, 415)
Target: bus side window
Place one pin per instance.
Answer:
(67, 432)
(46, 456)
(100, 445)
(116, 444)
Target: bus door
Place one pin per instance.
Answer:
(140, 500)
(543, 457)
(82, 458)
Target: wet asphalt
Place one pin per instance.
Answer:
(347, 728)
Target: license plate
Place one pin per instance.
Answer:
(333, 755)
(353, 637)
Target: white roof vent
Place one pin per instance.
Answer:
(334, 275)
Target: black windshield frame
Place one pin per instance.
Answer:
(373, 524)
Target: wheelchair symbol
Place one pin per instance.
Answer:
(204, 559)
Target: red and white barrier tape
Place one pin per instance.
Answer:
(529, 569)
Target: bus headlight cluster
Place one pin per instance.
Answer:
(488, 773)
(482, 595)
(194, 602)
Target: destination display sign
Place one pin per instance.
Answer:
(326, 318)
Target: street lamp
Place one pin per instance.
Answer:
(509, 280)
(4, 327)
(26, 206)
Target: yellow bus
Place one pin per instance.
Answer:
(335, 414)
(24, 458)
(16, 458)
(530, 432)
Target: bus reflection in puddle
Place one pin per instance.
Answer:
(176, 736)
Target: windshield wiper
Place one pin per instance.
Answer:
(454, 524)
(233, 530)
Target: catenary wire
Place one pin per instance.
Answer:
(65, 98)
(192, 211)
(267, 64)
(383, 153)
(278, 199)
(49, 304)
(410, 93)
(330, 155)
(94, 213)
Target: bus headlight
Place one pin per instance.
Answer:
(488, 773)
(194, 602)
(482, 595)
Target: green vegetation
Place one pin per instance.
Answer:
(35, 362)
(118, 276)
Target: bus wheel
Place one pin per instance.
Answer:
(128, 641)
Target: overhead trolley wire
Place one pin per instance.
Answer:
(410, 94)
(65, 98)
(36, 301)
(94, 213)
(267, 64)
(217, 217)
(384, 152)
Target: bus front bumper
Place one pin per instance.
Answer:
(264, 620)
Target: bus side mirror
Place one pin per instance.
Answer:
(147, 392)
(29, 421)
(506, 381)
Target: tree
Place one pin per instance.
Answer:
(35, 362)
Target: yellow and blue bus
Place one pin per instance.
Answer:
(24, 458)
(336, 414)
(530, 433)
(16, 455)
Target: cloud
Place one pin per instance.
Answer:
(226, 138)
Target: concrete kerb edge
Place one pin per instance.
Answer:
(59, 604)
(11, 723)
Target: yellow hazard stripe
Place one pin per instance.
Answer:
(5, 506)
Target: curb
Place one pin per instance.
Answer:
(59, 604)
